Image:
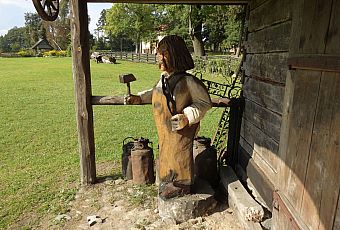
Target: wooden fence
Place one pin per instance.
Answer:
(135, 57)
(152, 58)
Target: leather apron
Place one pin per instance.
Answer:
(175, 147)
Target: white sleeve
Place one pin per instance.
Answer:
(201, 102)
(146, 96)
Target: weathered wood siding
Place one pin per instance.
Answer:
(309, 146)
(266, 68)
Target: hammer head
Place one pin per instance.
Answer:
(126, 78)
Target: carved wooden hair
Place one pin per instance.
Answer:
(179, 56)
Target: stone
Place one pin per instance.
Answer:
(109, 182)
(118, 209)
(119, 181)
(193, 221)
(119, 203)
(62, 217)
(267, 224)
(109, 178)
(253, 214)
(189, 206)
(169, 221)
(229, 210)
(248, 211)
(92, 220)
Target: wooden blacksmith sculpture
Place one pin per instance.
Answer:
(179, 102)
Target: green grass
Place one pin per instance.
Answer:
(39, 161)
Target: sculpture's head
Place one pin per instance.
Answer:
(173, 55)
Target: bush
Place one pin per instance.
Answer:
(25, 53)
(69, 50)
(55, 53)
(215, 65)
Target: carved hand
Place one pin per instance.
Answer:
(132, 100)
(179, 121)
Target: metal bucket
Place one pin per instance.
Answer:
(126, 158)
(142, 162)
(205, 160)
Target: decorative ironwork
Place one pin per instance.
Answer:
(215, 88)
(220, 138)
(231, 88)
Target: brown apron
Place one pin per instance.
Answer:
(175, 147)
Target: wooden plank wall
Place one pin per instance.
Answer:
(310, 136)
(266, 68)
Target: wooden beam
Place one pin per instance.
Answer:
(315, 62)
(119, 100)
(82, 85)
(248, 211)
(107, 100)
(174, 1)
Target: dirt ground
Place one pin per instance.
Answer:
(114, 203)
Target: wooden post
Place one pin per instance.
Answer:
(82, 85)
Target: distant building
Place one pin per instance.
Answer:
(42, 45)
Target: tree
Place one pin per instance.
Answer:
(134, 21)
(196, 18)
(14, 40)
(203, 26)
(233, 25)
(173, 19)
(58, 32)
(214, 27)
(185, 21)
(33, 27)
(101, 23)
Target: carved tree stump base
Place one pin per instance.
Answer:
(190, 206)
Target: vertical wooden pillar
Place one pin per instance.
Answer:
(83, 92)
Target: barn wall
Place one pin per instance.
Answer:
(290, 127)
(310, 134)
(267, 47)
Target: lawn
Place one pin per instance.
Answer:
(39, 162)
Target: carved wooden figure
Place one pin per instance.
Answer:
(179, 102)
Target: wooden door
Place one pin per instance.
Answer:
(310, 132)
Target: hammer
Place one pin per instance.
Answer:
(127, 78)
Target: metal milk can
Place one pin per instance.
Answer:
(142, 162)
(205, 160)
(126, 158)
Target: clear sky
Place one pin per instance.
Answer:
(12, 13)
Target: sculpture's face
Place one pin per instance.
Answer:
(163, 59)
